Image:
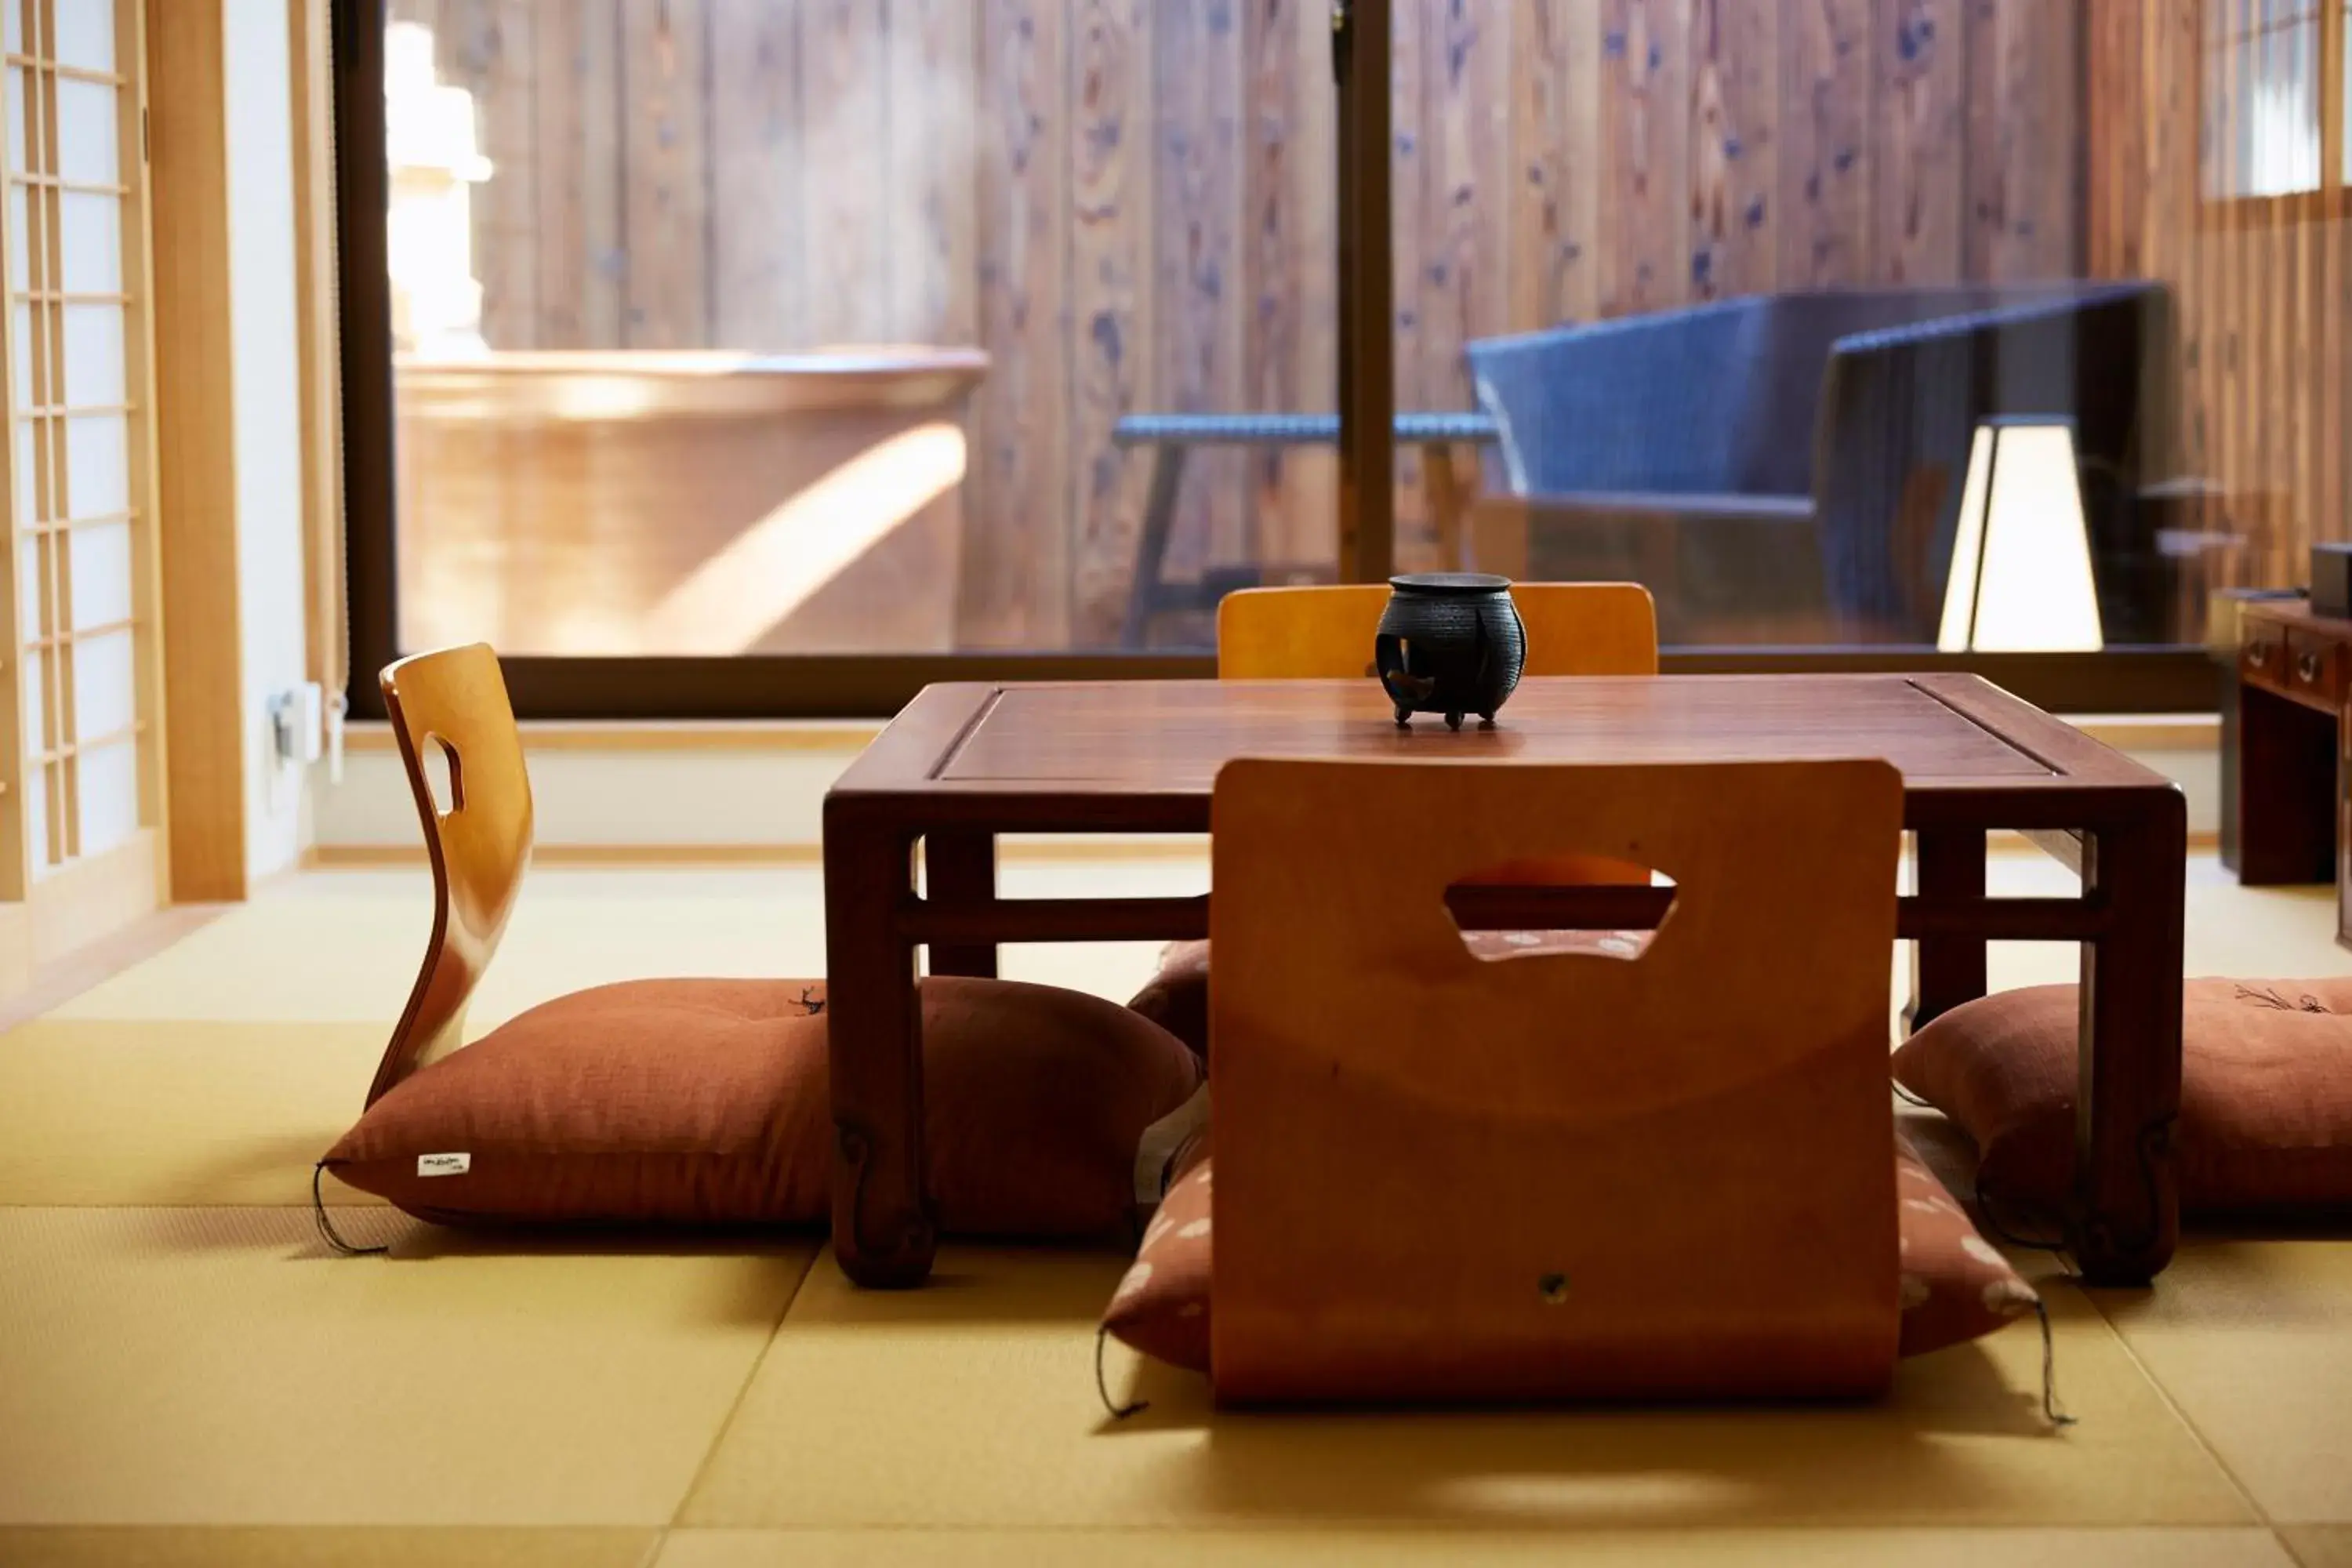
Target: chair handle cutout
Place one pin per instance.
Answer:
(444, 775)
(1585, 905)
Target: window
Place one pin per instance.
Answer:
(757, 356)
(2274, 101)
(782, 345)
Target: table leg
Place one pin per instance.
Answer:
(2126, 1215)
(2286, 791)
(1152, 544)
(1947, 971)
(881, 1226)
(961, 868)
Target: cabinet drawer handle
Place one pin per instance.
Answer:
(2258, 654)
(2306, 669)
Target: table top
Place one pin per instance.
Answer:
(1139, 755)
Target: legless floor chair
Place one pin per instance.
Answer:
(1441, 1177)
(1326, 633)
(450, 714)
(706, 1101)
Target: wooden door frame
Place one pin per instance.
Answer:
(196, 452)
(311, 52)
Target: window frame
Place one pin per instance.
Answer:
(2332, 197)
(2135, 680)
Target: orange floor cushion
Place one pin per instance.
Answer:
(2266, 1091)
(1955, 1285)
(706, 1102)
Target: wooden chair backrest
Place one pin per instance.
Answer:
(453, 702)
(1326, 632)
(1442, 1176)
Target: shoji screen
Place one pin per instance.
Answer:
(79, 765)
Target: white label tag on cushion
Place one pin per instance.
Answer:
(1162, 1141)
(444, 1164)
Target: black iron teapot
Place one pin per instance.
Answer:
(1450, 643)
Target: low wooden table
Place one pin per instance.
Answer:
(965, 763)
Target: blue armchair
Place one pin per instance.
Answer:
(1787, 469)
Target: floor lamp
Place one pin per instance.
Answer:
(2021, 580)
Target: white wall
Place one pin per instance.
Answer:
(265, 369)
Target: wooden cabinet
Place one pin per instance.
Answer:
(2291, 760)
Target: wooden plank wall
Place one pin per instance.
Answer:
(1130, 204)
(2259, 295)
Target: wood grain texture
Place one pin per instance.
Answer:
(20, 623)
(664, 104)
(489, 48)
(2024, 188)
(2120, 85)
(1461, 273)
(1926, 122)
(1831, 154)
(143, 458)
(581, 253)
(932, 49)
(1015, 591)
(1114, 157)
(452, 705)
(309, 40)
(1735, 146)
(1290, 331)
(2332, 510)
(197, 440)
(1326, 633)
(1555, 185)
(1409, 223)
(847, 198)
(1645, 138)
(1175, 735)
(1737, 1028)
(758, 238)
(1464, 172)
(1186, 232)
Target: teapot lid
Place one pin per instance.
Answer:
(1463, 582)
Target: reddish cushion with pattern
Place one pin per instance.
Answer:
(1955, 1285)
(1177, 997)
(2266, 1091)
(707, 1102)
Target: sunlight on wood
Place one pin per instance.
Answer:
(778, 563)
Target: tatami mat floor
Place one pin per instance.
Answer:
(188, 1377)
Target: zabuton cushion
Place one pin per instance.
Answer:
(1955, 1285)
(707, 1102)
(2266, 1091)
(1177, 996)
